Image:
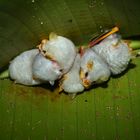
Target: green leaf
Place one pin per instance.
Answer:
(38, 113)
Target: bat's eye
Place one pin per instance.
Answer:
(43, 51)
(86, 74)
(61, 70)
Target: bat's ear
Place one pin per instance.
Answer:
(41, 45)
(52, 35)
(90, 65)
(81, 51)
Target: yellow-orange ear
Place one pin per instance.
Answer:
(52, 35)
(127, 42)
(61, 83)
(43, 42)
(86, 83)
(60, 89)
(90, 65)
(81, 51)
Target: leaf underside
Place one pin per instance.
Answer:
(108, 112)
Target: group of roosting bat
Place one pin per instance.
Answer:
(57, 58)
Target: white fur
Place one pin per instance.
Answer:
(73, 83)
(20, 68)
(45, 69)
(100, 71)
(115, 52)
(63, 50)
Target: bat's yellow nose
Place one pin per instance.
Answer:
(86, 83)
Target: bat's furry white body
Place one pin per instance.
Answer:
(115, 52)
(20, 68)
(72, 82)
(62, 50)
(45, 69)
(99, 72)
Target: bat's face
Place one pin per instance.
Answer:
(47, 42)
(45, 69)
(86, 71)
(94, 76)
(85, 77)
(93, 69)
(56, 69)
(59, 49)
